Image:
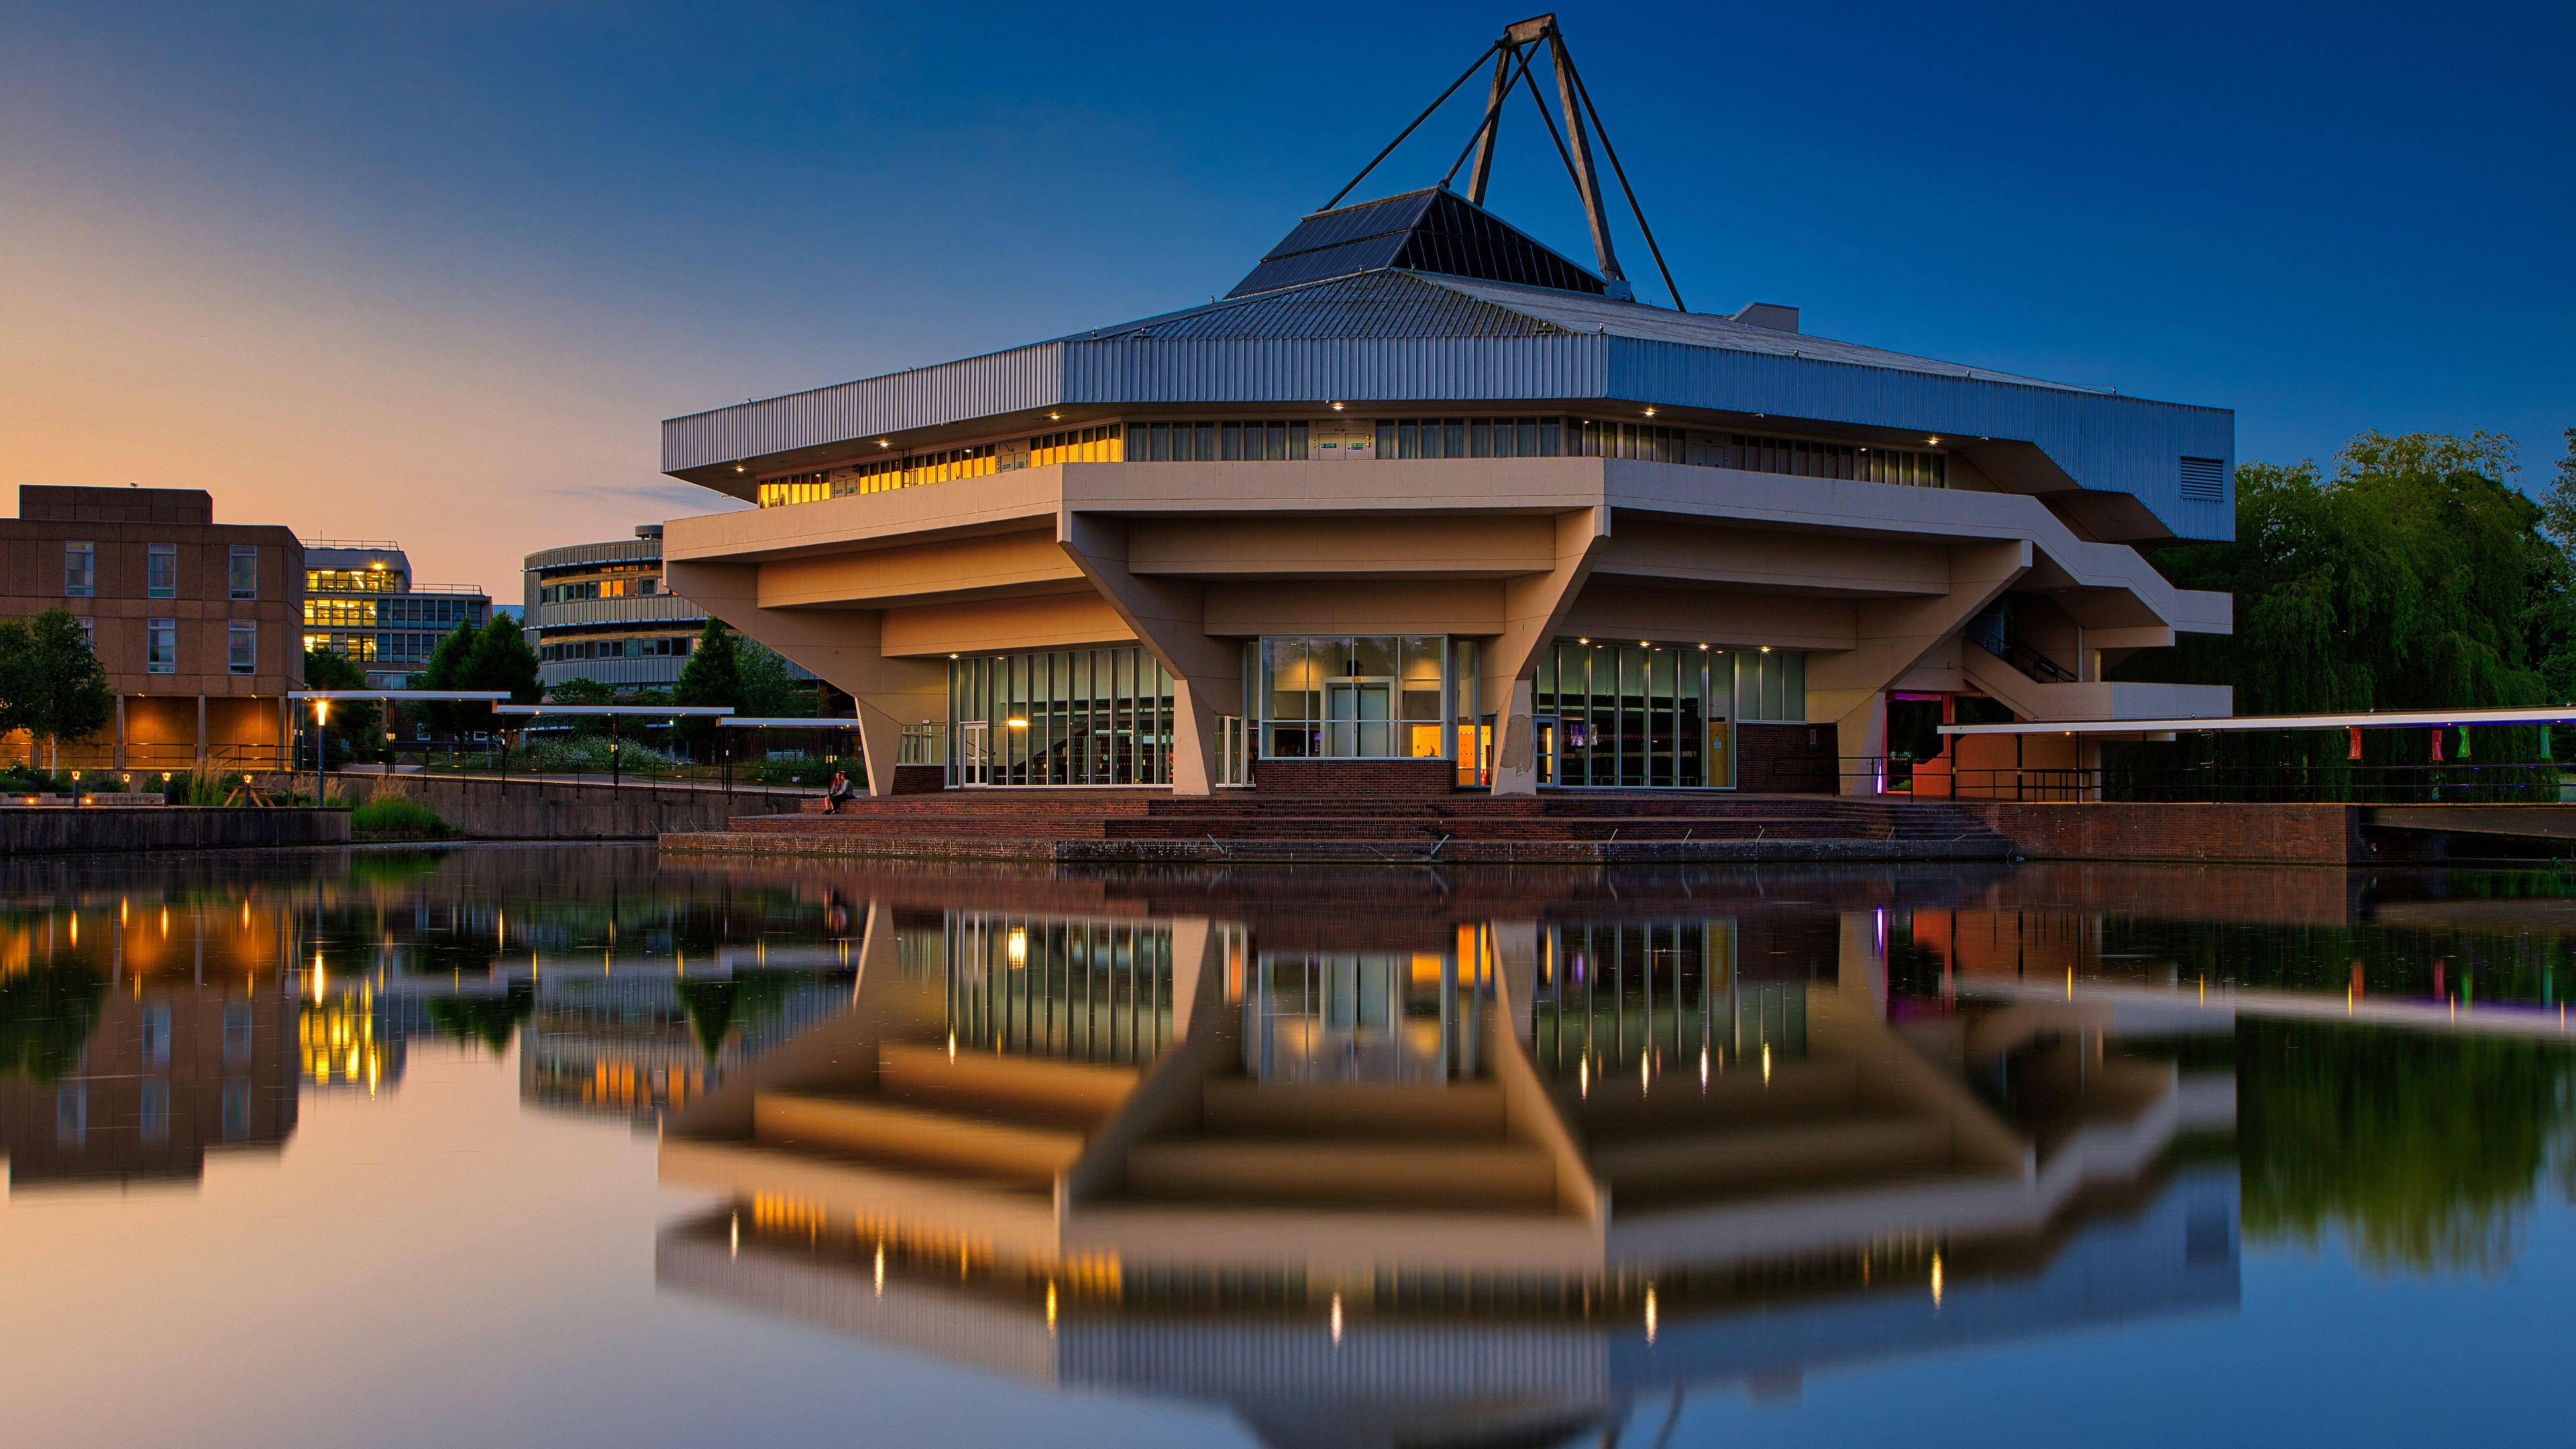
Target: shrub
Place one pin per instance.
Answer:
(570, 756)
(396, 817)
(189, 788)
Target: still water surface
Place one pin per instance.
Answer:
(584, 1146)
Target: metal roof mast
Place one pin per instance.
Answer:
(1511, 56)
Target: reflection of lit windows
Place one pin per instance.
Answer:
(237, 1031)
(156, 1036)
(236, 1110)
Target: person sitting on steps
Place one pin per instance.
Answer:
(838, 793)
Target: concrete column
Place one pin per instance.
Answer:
(201, 734)
(1534, 607)
(120, 732)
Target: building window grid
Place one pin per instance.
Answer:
(1361, 697)
(160, 646)
(1103, 444)
(80, 570)
(1660, 715)
(1065, 717)
(1217, 442)
(353, 581)
(241, 647)
(243, 577)
(161, 570)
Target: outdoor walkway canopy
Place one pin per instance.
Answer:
(2364, 719)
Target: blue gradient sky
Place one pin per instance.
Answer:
(434, 271)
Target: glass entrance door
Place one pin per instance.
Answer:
(1544, 727)
(974, 754)
(1359, 717)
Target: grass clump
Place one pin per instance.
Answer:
(396, 817)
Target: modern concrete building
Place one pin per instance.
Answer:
(361, 602)
(598, 611)
(193, 620)
(1423, 493)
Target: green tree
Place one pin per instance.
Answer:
(446, 670)
(51, 684)
(769, 688)
(502, 658)
(713, 676)
(584, 691)
(351, 724)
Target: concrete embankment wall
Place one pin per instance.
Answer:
(2267, 834)
(495, 809)
(30, 830)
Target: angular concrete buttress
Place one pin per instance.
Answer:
(1534, 606)
(839, 646)
(1848, 688)
(1169, 617)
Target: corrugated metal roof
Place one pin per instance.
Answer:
(1577, 313)
(1373, 304)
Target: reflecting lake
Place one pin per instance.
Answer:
(586, 1145)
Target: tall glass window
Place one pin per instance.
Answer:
(160, 646)
(245, 571)
(1644, 715)
(1066, 717)
(242, 648)
(80, 570)
(161, 570)
(1354, 697)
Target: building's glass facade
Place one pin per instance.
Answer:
(1064, 717)
(1406, 1018)
(1359, 697)
(1648, 715)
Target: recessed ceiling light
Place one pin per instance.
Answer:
(1337, 407)
(1766, 648)
(1650, 412)
(1932, 442)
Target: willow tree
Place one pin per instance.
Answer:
(2415, 576)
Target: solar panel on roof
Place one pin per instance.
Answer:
(1429, 231)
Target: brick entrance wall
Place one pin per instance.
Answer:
(1789, 759)
(1353, 777)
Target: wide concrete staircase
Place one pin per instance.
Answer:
(1812, 1128)
(1303, 1148)
(1392, 817)
(1004, 1121)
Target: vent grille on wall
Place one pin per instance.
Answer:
(2204, 480)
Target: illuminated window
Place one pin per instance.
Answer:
(1079, 445)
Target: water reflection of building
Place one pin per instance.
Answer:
(1476, 1176)
(169, 1072)
(642, 1042)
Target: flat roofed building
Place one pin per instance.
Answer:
(193, 620)
(599, 611)
(362, 603)
(1422, 492)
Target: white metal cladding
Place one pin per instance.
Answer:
(624, 550)
(2102, 440)
(975, 387)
